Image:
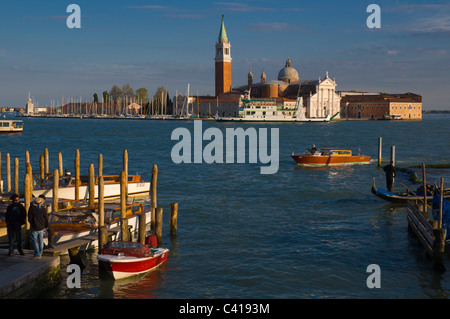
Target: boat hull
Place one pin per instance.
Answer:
(11, 126)
(249, 119)
(319, 160)
(110, 191)
(123, 266)
(67, 232)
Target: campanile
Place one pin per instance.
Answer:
(223, 62)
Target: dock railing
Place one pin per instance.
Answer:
(429, 232)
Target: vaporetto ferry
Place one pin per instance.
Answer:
(11, 126)
(269, 110)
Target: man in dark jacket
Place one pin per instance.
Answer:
(38, 218)
(15, 217)
(390, 175)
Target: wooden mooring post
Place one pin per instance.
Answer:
(16, 175)
(28, 193)
(8, 173)
(173, 218)
(393, 154)
(60, 164)
(77, 174)
(142, 226)
(159, 225)
(380, 143)
(91, 185)
(123, 214)
(102, 229)
(153, 196)
(425, 190)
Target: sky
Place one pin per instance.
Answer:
(172, 44)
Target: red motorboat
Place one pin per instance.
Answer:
(329, 156)
(125, 259)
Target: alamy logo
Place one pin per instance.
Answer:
(74, 20)
(373, 20)
(374, 279)
(213, 152)
(74, 279)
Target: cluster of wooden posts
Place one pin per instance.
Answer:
(156, 212)
(380, 146)
(429, 232)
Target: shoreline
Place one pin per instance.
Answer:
(171, 118)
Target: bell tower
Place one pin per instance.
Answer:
(223, 62)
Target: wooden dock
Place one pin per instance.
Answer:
(429, 232)
(83, 243)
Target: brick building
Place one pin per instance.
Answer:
(407, 106)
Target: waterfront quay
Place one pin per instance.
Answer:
(25, 277)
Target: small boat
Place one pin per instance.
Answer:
(125, 259)
(66, 187)
(79, 222)
(48, 203)
(11, 126)
(329, 157)
(403, 197)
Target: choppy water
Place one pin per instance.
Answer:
(301, 233)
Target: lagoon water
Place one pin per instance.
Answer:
(300, 233)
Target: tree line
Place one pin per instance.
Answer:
(159, 104)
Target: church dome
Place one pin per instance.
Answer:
(288, 73)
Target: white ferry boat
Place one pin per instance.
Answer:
(268, 110)
(11, 126)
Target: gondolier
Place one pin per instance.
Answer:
(390, 175)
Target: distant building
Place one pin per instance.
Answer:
(406, 106)
(29, 107)
(134, 108)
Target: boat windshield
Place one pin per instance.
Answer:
(74, 217)
(127, 249)
(124, 244)
(336, 152)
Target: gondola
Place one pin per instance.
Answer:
(403, 197)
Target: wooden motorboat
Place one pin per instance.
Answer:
(66, 187)
(80, 222)
(62, 205)
(125, 259)
(404, 197)
(329, 157)
(11, 126)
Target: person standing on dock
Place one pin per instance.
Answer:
(15, 217)
(37, 216)
(390, 175)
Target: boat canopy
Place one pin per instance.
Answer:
(334, 152)
(126, 248)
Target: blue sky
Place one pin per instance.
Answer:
(171, 43)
